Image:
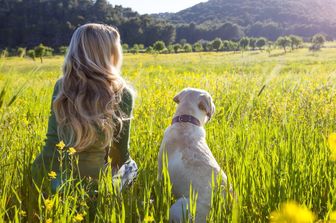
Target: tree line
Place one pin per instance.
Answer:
(28, 23)
(286, 43)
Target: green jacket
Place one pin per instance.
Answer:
(92, 160)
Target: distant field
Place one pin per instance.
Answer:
(273, 147)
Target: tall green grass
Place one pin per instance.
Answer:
(270, 143)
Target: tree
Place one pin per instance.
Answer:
(187, 48)
(177, 47)
(283, 42)
(208, 46)
(243, 43)
(216, 44)
(135, 49)
(21, 52)
(62, 50)
(261, 42)
(198, 47)
(269, 47)
(228, 31)
(4, 53)
(40, 51)
(125, 47)
(269, 30)
(318, 41)
(252, 43)
(296, 41)
(183, 41)
(159, 46)
(141, 47)
(226, 45)
(149, 50)
(170, 48)
(31, 54)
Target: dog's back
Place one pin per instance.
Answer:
(190, 161)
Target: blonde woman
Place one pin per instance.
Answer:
(91, 110)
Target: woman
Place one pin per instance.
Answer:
(91, 111)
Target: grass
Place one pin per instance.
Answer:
(273, 146)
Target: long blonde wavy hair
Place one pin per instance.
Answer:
(86, 108)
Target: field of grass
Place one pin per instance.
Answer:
(272, 144)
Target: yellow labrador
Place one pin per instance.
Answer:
(190, 160)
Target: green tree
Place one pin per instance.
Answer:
(253, 43)
(234, 46)
(296, 41)
(159, 46)
(125, 47)
(243, 43)
(135, 49)
(183, 41)
(141, 47)
(226, 45)
(216, 44)
(177, 47)
(208, 46)
(170, 48)
(62, 50)
(187, 48)
(261, 42)
(198, 47)
(149, 49)
(21, 52)
(31, 54)
(40, 51)
(4, 53)
(318, 41)
(284, 42)
(269, 47)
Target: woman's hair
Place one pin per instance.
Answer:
(86, 107)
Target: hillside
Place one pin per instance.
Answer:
(29, 23)
(302, 17)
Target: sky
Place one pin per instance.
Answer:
(156, 6)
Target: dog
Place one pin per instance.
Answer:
(190, 160)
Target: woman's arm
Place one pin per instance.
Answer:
(47, 160)
(119, 151)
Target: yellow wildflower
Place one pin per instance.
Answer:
(78, 218)
(149, 219)
(60, 145)
(48, 204)
(332, 216)
(332, 145)
(292, 212)
(22, 213)
(71, 151)
(49, 220)
(52, 174)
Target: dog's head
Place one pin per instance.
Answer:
(197, 98)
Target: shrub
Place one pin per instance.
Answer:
(21, 52)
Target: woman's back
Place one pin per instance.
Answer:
(91, 108)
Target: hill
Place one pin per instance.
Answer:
(268, 18)
(30, 22)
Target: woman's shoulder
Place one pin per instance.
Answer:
(57, 87)
(59, 83)
(127, 95)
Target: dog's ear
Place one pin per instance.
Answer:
(207, 105)
(178, 97)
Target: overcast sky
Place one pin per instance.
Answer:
(156, 6)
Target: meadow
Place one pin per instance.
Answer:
(269, 134)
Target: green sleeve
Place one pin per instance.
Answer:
(47, 160)
(119, 151)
